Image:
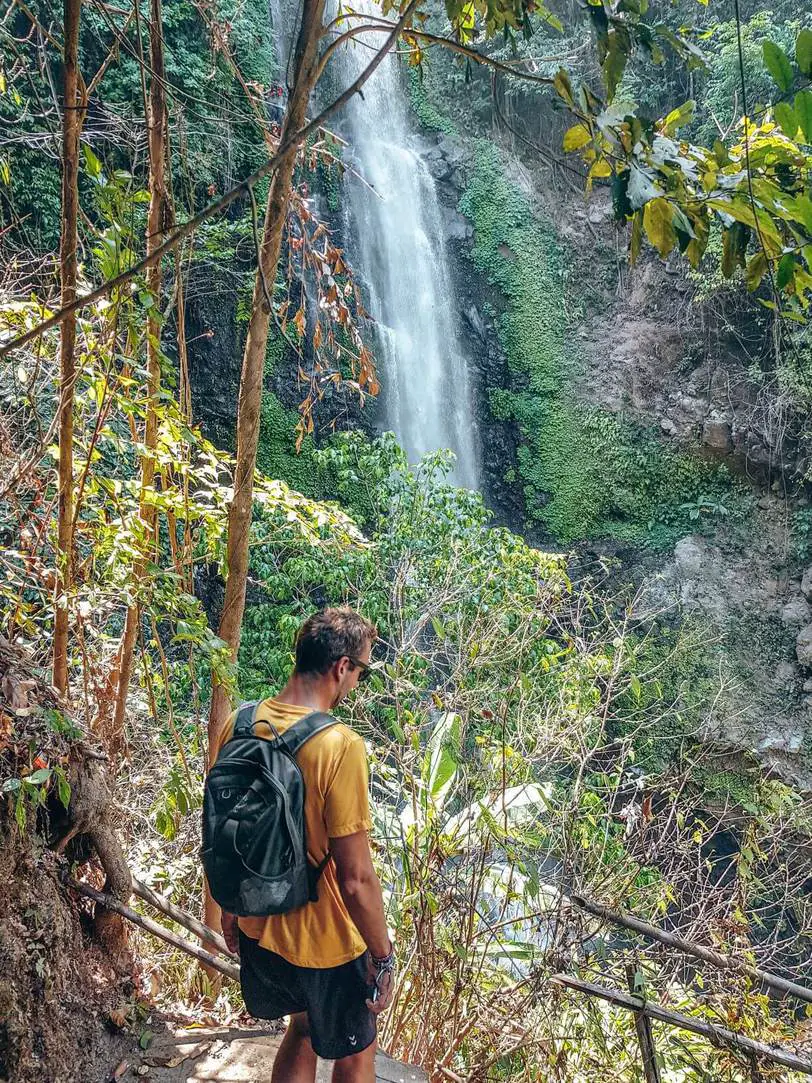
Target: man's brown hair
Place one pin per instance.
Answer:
(329, 635)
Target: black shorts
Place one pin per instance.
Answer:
(334, 998)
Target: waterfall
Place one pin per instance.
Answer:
(395, 242)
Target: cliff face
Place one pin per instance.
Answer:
(632, 415)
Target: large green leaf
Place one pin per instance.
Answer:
(777, 64)
(803, 111)
(786, 116)
(803, 52)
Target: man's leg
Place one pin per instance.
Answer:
(296, 1062)
(359, 1068)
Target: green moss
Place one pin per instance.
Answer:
(585, 472)
(276, 450)
(427, 113)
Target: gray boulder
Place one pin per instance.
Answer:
(797, 612)
(803, 646)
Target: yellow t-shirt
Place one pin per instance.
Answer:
(336, 776)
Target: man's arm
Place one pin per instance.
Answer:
(361, 890)
(231, 932)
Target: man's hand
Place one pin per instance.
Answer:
(231, 932)
(384, 984)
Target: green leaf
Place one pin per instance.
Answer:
(803, 52)
(40, 776)
(641, 189)
(778, 65)
(786, 269)
(803, 111)
(756, 269)
(786, 116)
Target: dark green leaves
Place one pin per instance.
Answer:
(803, 52)
(778, 65)
(803, 112)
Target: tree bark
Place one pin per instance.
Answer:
(156, 221)
(253, 366)
(73, 106)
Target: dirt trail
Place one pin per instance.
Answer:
(223, 1055)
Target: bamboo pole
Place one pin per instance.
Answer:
(183, 918)
(645, 1039)
(714, 1033)
(688, 947)
(103, 899)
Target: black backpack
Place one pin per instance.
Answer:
(254, 848)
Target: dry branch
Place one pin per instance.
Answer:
(183, 918)
(688, 947)
(211, 960)
(711, 1031)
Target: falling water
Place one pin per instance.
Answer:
(396, 245)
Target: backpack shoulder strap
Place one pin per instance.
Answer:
(301, 732)
(244, 722)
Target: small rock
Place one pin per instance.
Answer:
(786, 672)
(439, 168)
(803, 646)
(782, 742)
(764, 503)
(668, 426)
(688, 556)
(806, 584)
(716, 433)
(796, 613)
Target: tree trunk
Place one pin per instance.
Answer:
(253, 369)
(73, 105)
(253, 366)
(156, 220)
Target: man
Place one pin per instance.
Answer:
(328, 964)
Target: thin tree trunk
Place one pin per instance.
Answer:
(68, 258)
(156, 220)
(253, 369)
(253, 366)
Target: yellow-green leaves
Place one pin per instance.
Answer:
(576, 137)
(658, 224)
(777, 63)
(679, 117)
